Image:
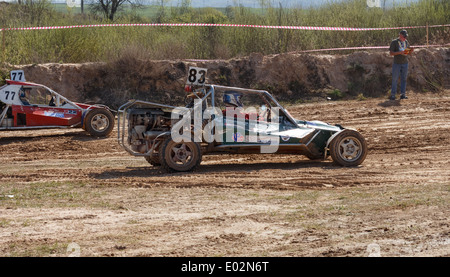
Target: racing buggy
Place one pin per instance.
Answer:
(220, 119)
(26, 105)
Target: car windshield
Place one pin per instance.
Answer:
(36, 96)
(252, 101)
(243, 99)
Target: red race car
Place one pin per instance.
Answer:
(26, 105)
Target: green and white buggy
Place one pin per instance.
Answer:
(220, 119)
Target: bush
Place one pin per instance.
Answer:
(335, 94)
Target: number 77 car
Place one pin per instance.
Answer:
(26, 105)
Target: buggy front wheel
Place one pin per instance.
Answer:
(348, 148)
(99, 122)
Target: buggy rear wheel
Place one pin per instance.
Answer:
(180, 156)
(348, 148)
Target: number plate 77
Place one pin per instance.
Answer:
(17, 75)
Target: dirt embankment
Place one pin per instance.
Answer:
(291, 76)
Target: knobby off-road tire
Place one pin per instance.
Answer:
(314, 157)
(179, 156)
(348, 148)
(153, 160)
(99, 122)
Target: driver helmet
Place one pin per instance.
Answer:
(232, 99)
(22, 92)
(188, 88)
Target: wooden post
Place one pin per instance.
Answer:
(427, 34)
(3, 46)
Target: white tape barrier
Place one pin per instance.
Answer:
(219, 25)
(341, 49)
(372, 47)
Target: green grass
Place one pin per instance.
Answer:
(4, 222)
(364, 201)
(40, 250)
(149, 11)
(45, 194)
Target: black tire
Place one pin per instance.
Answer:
(99, 122)
(153, 160)
(179, 156)
(314, 157)
(348, 148)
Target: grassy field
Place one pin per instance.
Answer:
(148, 11)
(106, 44)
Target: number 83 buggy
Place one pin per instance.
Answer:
(25, 105)
(219, 119)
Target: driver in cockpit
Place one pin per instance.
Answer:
(23, 95)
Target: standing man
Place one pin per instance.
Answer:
(400, 49)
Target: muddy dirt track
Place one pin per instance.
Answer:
(62, 190)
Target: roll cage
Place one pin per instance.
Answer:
(203, 94)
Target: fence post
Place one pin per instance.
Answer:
(3, 45)
(427, 34)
